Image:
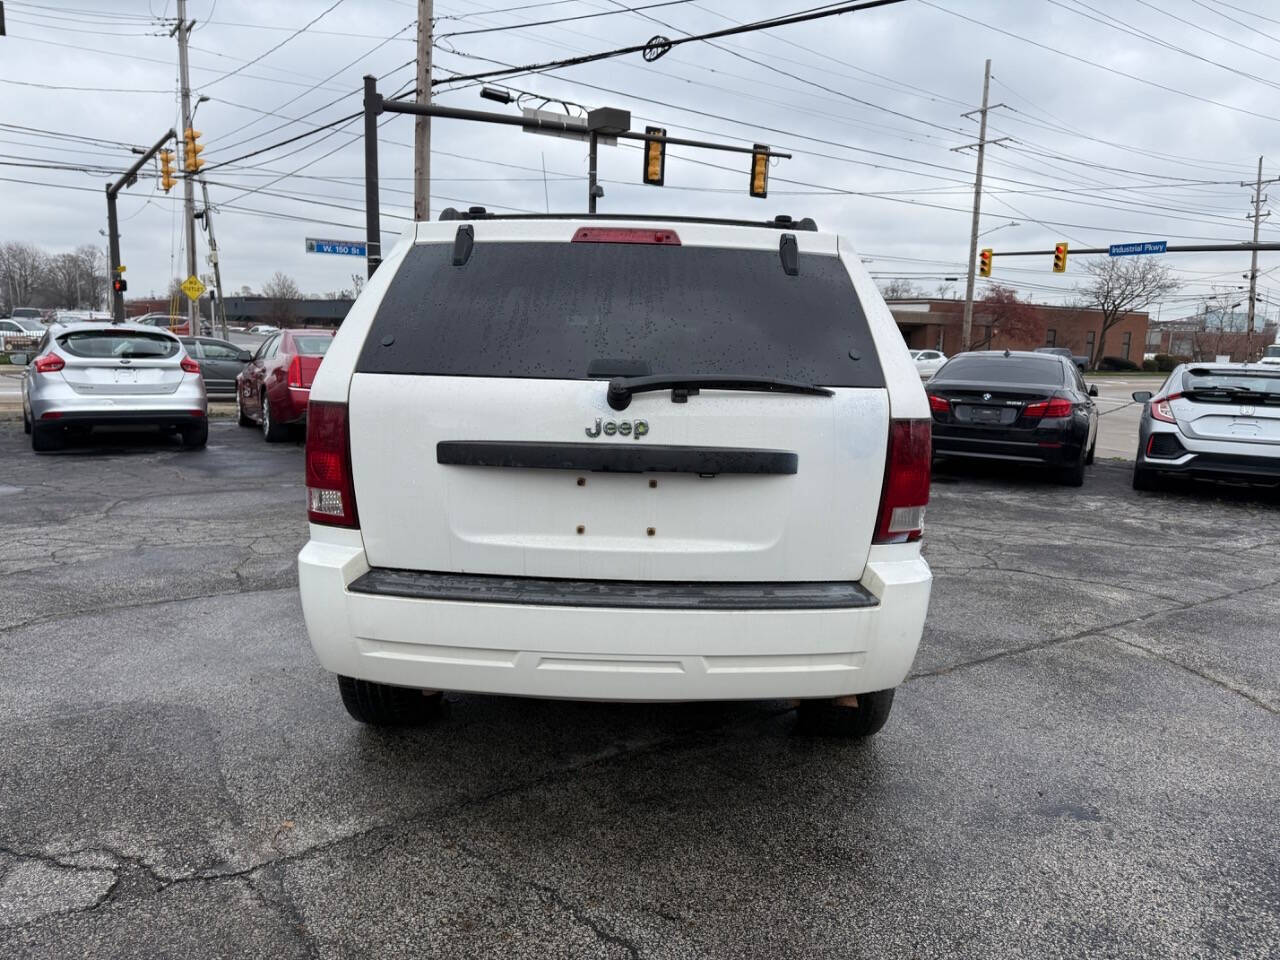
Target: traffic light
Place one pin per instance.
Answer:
(1060, 258)
(760, 171)
(119, 285)
(984, 262)
(191, 150)
(655, 157)
(167, 179)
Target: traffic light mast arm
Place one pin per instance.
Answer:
(1262, 246)
(127, 178)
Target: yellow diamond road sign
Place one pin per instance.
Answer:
(192, 287)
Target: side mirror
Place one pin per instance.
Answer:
(1142, 396)
(1093, 390)
(244, 356)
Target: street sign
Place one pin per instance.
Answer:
(192, 287)
(350, 248)
(1136, 249)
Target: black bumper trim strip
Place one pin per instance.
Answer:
(634, 594)
(626, 457)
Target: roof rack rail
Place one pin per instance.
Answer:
(780, 222)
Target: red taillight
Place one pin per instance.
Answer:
(49, 363)
(906, 482)
(295, 372)
(1057, 407)
(625, 235)
(1161, 410)
(331, 496)
(938, 405)
(190, 365)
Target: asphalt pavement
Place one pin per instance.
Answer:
(1085, 761)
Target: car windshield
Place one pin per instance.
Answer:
(1210, 384)
(118, 344)
(997, 368)
(29, 323)
(312, 346)
(549, 310)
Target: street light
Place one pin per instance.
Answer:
(496, 94)
(1011, 223)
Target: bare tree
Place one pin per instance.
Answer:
(1122, 285)
(357, 282)
(22, 273)
(1007, 316)
(283, 293)
(900, 290)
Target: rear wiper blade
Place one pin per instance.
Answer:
(621, 389)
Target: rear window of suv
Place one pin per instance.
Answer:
(548, 310)
(107, 344)
(1001, 369)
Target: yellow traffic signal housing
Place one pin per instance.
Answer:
(167, 179)
(1060, 258)
(191, 150)
(655, 157)
(760, 171)
(984, 262)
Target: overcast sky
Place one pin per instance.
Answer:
(869, 103)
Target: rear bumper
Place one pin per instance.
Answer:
(1217, 466)
(57, 403)
(1056, 444)
(595, 652)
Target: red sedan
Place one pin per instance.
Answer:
(274, 387)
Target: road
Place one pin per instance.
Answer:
(1119, 415)
(1083, 763)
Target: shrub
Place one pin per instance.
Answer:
(1117, 363)
(1150, 366)
(1165, 363)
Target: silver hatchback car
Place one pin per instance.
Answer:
(1216, 421)
(86, 375)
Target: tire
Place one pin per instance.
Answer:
(26, 422)
(1088, 457)
(1145, 479)
(195, 436)
(1073, 476)
(382, 705)
(44, 439)
(242, 418)
(272, 431)
(826, 718)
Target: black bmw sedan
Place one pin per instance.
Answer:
(1015, 406)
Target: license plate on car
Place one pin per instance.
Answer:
(126, 376)
(986, 414)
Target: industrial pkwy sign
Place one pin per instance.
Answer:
(350, 248)
(1137, 249)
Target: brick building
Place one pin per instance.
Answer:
(1207, 336)
(931, 323)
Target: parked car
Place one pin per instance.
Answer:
(263, 329)
(928, 362)
(1081, 362)
(27, 313)
(97, 374)
(1212, 421)
(180, 325)
(1015, 408)
(604, 459)
(273, 388)
(1271, 354)
(17, 332)
(221, 361)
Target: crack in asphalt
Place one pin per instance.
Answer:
(1099, 630)
(1217, 681)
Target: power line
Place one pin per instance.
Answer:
(301, 30)
(816, 14)
(543, 23)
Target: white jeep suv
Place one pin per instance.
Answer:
(632, 459)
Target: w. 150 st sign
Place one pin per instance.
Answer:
(350, 248)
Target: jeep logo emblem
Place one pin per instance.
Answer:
(622, 428)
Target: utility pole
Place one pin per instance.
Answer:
(1257, 217)
(219, 315)
(422, 124)
(183, 31)
(966, 330)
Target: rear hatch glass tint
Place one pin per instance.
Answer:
(118, 344)
(549, 310)
(1000, 369)
(1212, 386)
